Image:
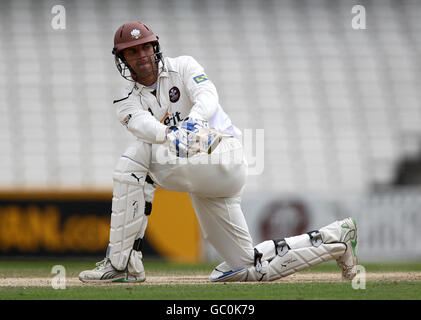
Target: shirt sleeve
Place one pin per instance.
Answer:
(201, 90)
(138, 121)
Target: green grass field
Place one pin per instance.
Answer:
(375, 290)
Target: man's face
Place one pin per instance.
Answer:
(142, 60)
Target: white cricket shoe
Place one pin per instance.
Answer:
(105, 272)
(348, 262)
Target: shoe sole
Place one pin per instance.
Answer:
(117, 280)
(124, 280)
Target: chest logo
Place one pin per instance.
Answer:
(172, 119)
(174, 94)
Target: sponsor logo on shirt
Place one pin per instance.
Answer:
(200, 78)
(171, 119)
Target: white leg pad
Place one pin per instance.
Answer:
(135, 266)
(332, 232)
(298, 259)
(128, 219)
(279, 266)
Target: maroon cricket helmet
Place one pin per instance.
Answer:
(129, 35)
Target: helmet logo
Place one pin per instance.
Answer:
(135, 34)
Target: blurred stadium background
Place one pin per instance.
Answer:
(340, 109)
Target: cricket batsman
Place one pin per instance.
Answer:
(171, 107)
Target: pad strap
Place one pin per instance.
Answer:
(149, 191)
(281, 247)
(315, 238)
(137, 246)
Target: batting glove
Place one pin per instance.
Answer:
(192, 137)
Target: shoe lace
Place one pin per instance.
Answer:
(103, 263)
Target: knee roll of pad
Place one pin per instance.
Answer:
(315, 238)
(281, 247)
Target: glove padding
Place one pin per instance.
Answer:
(192, 137)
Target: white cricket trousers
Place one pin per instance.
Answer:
(214, 183)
